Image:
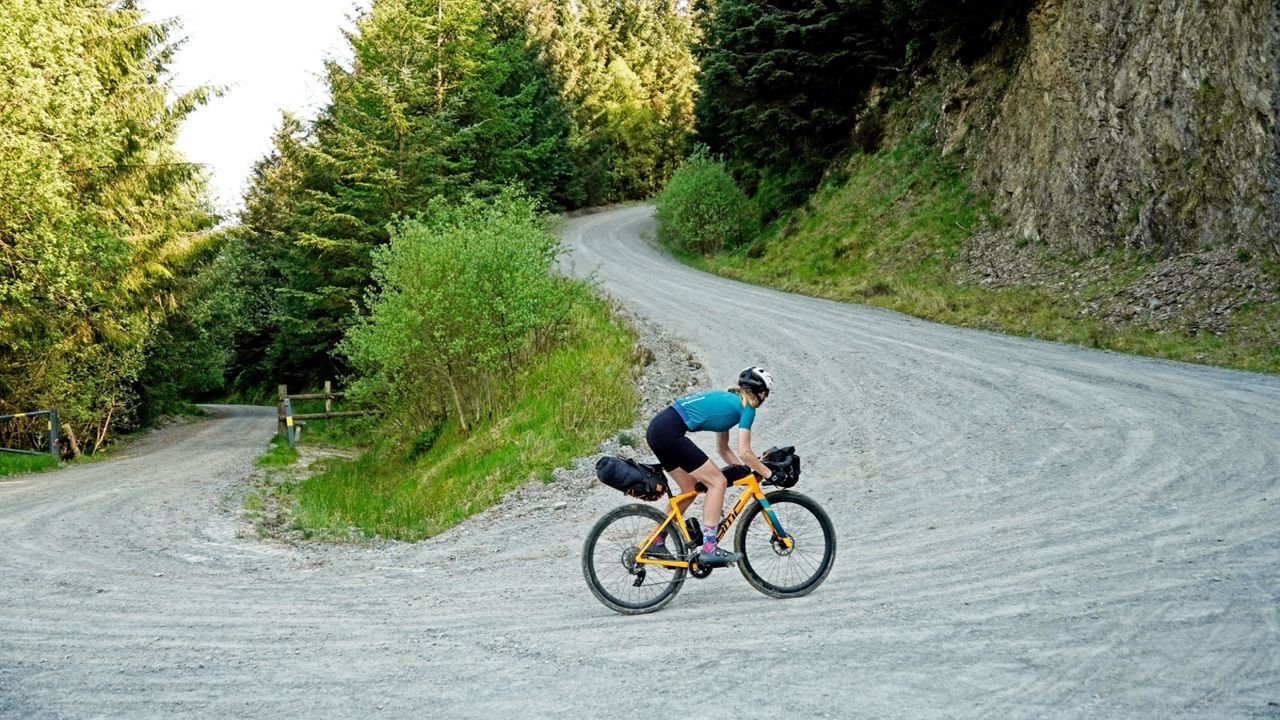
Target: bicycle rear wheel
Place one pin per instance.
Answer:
(770, 566)
(609, 562)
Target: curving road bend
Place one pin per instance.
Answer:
(1026, 530)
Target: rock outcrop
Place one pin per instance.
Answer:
(1151, 124)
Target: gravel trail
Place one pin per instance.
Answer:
(1026, 530)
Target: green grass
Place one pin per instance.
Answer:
(278, 454)
(568, 401)
(890, 234)
(15, 464)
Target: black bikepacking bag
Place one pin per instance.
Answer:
(645, 482)
(785, 464)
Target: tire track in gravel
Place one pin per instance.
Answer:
(1047, 529)
(1026, 530)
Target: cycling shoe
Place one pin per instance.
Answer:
(718, 557)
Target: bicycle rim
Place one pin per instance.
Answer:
(779, 571)
(608, 562)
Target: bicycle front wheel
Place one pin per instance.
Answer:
(610, 567)
(768, 563)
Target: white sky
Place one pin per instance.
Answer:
(269, 54)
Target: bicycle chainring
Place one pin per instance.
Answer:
(699, 571)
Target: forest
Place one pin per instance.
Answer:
(126, 297)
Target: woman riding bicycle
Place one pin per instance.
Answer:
(717, 411)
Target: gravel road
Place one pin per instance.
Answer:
(1026, 530)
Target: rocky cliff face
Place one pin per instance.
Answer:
(1144, 123)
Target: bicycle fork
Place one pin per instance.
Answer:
(778, 533)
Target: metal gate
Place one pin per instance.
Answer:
(53, 432)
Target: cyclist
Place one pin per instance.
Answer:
(717, 411)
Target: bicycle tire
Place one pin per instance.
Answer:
(612, 577)
(775, 570)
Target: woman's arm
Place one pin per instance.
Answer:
(749, 458)
(722, 447)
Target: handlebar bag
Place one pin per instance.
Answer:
(785, 464)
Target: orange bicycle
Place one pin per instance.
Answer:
(787, 542)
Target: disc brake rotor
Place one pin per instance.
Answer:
(781, 548)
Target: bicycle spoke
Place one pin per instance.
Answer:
(774, 568)
(612, 571)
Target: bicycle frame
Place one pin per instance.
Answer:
(751, 491)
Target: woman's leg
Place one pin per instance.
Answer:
(686, 483)
(711, 554)
(711, 476)
(712, 506)
(668, 439)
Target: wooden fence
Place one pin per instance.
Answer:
(287, 423)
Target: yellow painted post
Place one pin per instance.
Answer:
(288, 420)
(328, 402)
(53, 435)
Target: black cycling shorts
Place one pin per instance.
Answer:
(668, 438)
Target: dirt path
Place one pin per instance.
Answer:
(1026, 529)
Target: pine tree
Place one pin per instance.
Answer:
(780, 83)
(260, 247)
(626, 70)
(443, 99)
(98, 211)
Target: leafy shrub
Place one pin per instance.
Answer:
(462, 295)
(779, 191)
(702, 209)
(424, 441)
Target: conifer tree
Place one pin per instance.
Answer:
(625, 69)
(444, 98)
(98, 211)
(780, 82)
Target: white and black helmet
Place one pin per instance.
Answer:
(757, 380)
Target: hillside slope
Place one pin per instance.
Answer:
(1107, 174)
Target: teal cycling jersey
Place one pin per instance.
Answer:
(717, 411)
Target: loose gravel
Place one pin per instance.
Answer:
(1026, 530)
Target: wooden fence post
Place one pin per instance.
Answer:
(283, 390)
(285, 411)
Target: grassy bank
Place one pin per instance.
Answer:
(569, 400)
(278, 454)
(892, 233)
(14, 464)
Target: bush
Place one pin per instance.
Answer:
(702, 209)
(462, 296)
(567, 401)
(779, 191)
(424, 441)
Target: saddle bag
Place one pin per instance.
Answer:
(639, 480)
